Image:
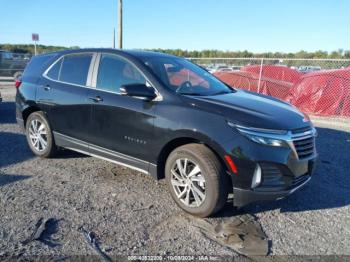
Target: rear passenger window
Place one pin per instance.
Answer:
(115, 72)
(55, 70)
(75, 68)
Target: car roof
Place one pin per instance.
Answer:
(133, 52)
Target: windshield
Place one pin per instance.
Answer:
(185, 77)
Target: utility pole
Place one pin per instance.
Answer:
(114, 37)
(120, 24)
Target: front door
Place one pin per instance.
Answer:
(122, 126)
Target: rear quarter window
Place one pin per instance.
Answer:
(75, 68)
(38, 65)
(54, 71)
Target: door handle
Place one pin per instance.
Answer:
(47, 88)
(96, 99)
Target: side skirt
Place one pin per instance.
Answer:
(105, 154)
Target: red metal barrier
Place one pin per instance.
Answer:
(250, 81)
(276, 72)
(325, 93)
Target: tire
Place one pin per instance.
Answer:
(214, 187)
(33, 124)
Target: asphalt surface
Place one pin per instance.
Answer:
(133, 214)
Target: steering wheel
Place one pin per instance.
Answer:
(185, 86)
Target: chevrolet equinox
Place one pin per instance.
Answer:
(165, 116)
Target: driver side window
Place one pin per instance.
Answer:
(115, 72)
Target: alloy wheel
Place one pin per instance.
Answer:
(38, 135)
(188, 182)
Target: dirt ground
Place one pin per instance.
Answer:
(133, 214)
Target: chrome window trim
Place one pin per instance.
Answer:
(63, 82)
(159, 97)
(95, 70)
(89, 78)
(94, 66)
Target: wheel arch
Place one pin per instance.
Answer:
(27, 111)
(181, 141)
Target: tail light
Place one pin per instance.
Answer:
(18, 83)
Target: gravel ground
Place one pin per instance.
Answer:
(133, 214)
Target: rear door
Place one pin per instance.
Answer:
(64, 93)
(121, 125)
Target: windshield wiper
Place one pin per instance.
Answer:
(222, 93)
(191, 94)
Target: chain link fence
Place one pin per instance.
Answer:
(318, 87)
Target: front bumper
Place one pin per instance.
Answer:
(283, 170)
(243, 197)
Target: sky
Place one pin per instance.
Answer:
(253, 25)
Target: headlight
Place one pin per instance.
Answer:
(266, 137)
(264, 140)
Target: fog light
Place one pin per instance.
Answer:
(257, 176)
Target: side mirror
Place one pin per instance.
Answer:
(141, 91)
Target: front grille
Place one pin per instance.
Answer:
(304, 143)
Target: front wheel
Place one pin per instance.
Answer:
(39, 135)
(196, 180)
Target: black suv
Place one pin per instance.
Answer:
(167, 117)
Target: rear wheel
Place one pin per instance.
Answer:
(39, 135)
(196, 180)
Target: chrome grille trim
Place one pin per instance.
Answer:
(304, 143)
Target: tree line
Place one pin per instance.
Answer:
(337, 54)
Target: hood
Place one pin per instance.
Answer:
(254, 110)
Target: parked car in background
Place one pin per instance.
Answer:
(217, 68)
(236, 68)
(308, 69)
(225, 69)
(204, 137)
(21, 56)
(10, 67)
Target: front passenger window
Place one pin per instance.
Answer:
(115, 72)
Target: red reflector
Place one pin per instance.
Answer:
(18, 83)
(231, 164)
